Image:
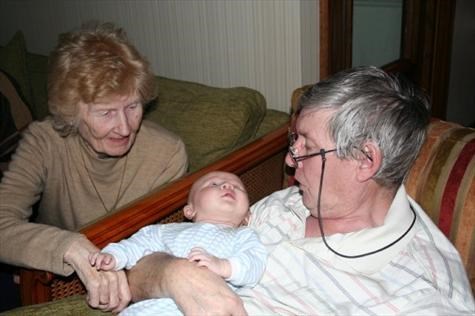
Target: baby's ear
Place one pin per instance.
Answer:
(188, 211)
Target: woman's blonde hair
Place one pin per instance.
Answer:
(91, 65)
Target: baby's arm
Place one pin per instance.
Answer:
(102, 261)
(249, 259)
(221, 267)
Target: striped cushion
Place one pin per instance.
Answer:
(442, 182)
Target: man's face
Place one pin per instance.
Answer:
(312, 130)
(219, 197)
(110, 127)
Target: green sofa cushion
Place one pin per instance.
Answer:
(13, 61)
(272, 120)
(211, 121)
(38, 72)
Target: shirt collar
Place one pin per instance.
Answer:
(398, 219)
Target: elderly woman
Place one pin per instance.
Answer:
(94, 155)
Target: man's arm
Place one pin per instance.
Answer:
(196, 290)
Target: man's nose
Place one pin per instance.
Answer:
(289, 161)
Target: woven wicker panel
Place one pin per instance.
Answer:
(175, 217)
(264, 179)
(64, 287)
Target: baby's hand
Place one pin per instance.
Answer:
(102, 261)
(221, 267)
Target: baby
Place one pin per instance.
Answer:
(217, 205)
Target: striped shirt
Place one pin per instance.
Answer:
(419, 275)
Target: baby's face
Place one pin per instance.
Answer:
(220, 198)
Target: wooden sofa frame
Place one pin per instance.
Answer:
(260, 165)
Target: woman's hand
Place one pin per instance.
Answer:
(196, 290)
(106, 290)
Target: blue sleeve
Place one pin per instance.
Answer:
(249, 259)
(128, 251)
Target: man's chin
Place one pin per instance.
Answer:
(307, 200)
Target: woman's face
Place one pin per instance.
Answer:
(110, 127)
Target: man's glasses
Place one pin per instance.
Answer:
(292, 136)
(293, 154)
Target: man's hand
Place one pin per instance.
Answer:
(196, 290)
(106, 290)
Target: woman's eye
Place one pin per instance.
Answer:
(133, 106)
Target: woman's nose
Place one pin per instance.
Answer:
(123, 127)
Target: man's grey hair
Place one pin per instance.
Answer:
(373, 106)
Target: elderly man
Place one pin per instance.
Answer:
(348, 240)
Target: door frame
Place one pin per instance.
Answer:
(426, 44)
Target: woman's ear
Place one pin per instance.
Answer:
(189, 211)
(369, 162)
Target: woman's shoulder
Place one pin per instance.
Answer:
(42, 131)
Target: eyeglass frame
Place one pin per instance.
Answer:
(296, 159)
(322, 152)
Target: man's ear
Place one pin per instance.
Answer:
(369, 162)
(189, 211)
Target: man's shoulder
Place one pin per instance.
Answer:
(279, 217)
(286, 197)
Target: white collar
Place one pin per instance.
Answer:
(398, 219)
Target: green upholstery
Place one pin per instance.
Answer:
(38, 72)
(13, 61)
(211, 121)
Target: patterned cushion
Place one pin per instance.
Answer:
(442, 181)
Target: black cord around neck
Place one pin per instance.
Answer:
(320, 225)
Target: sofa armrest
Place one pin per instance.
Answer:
(260, 165)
